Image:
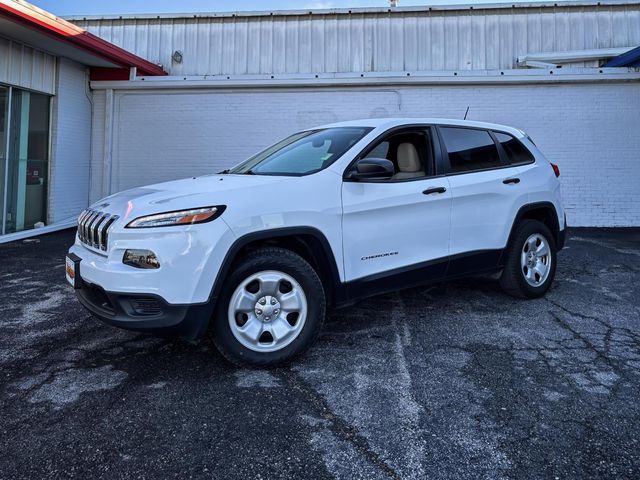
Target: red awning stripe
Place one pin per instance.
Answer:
(37, 19)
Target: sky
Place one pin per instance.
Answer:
(104, 7)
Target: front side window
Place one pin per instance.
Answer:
(516, 152)
(304, 152)
(410, 151)
(470, 149)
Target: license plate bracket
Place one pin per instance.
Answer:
(72, 270)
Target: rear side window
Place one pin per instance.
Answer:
(470, 149)
(516, 152)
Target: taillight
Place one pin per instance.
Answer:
(556, 170)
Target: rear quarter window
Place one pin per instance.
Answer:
(517, 153)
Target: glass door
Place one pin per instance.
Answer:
(26, 162)
(4, 107)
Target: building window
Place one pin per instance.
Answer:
(24, 159)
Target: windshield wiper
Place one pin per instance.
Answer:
(224, 172)
(249, 172)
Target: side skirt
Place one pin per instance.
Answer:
(426, 273)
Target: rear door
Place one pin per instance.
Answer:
(486, 194)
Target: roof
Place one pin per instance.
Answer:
(627, 59)
(367, 10)
(40, 29)
(396, 122)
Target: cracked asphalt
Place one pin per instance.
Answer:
(454, 381)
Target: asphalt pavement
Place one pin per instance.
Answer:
(455, 381)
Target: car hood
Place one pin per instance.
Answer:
(205, 191)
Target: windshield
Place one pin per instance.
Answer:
(303, 153)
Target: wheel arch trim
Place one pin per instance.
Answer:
(555, 228)
(269, 234)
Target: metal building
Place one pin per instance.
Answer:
(412, 39)
(45, 116)
(191, 94)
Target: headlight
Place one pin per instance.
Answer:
(181, 217)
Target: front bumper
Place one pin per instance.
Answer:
(173, 299)
(190, 258)
(145, 312)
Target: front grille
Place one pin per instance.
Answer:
(93, 228)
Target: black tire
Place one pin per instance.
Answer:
(281, 260)
(513, 280)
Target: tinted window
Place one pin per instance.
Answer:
(304, 152)
(470, 149)
(516, 152)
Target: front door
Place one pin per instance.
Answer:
(401, 225)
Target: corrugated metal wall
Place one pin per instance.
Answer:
(69, 173)
(465, 39)
(25, 67)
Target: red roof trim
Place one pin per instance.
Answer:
(43, 21)
(107, 74)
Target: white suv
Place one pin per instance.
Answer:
(325, 217)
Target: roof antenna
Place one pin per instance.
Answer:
(465, 114)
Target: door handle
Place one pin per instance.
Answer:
(429, 191)
(511, 180)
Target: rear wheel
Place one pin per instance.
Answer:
(271, 308)
(531, 261)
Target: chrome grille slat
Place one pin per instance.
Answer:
(103, 224)
(108, 228)
(94, 231)
(93, 228)
(90, 228)
(81, 227)
(80, 220)
(87, 222)
(83, 233)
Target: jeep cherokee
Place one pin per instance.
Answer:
(327, 216)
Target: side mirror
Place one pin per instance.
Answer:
(372, 169)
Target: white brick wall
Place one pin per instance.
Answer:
(70, 143)
(591, 130)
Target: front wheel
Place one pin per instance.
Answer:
(531, 261)
(271, 308)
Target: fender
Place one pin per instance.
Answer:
(248, 238)
(555, 227)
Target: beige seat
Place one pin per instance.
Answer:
(409, 164)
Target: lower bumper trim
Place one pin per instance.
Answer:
(145, 312)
